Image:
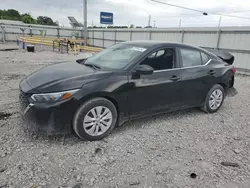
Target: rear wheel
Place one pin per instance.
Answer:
(214, 99)
(95, 119)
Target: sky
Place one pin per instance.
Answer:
(137, 12)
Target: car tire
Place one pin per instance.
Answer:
(95, 119)
(214, 99)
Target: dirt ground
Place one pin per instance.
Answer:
(181, 149)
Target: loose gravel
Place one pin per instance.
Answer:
(187, 148)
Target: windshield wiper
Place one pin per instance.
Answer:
(96, 67)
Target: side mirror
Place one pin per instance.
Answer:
(80, 60)
(144, 69)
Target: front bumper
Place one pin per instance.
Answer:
(51, 119)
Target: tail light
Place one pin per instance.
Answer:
(234, 69)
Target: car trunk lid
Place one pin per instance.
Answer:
(225, 56)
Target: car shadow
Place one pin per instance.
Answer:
(72, 139)
(139, 123)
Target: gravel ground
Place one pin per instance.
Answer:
(160, 151)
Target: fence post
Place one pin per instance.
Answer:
(82, 35)
(58, 32)
(59, 46)
(182, 36)
(93, 37)
(22, 29)
(218, 39)
(115, 36)
(3, 33)
(103, 38)
(31, 32)
(130, 37)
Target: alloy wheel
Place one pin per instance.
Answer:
(97, 121)
(215, 99)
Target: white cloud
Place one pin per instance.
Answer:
(136, 11)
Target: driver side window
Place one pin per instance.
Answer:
(161, 60)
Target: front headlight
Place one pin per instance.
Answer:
(53, 97)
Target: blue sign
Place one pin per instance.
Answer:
(106, 18)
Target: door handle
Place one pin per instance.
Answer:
(175, 78)
(212, 72)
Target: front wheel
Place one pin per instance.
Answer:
(214, 99)
(95, 119)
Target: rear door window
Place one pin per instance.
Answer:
(205, 58)
(161, 59)
(190, 57)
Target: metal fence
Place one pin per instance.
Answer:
(9, 32)
(233, 39)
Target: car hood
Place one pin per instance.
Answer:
(63, 76)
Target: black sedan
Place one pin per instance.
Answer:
(126, 81)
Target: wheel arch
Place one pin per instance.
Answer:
(227, 80)
(82, 103)
(105, 95)
(223, 85)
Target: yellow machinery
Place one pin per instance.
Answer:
(71, 46)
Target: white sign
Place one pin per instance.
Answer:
(138, 49)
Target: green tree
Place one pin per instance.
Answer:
(10, 14)
(132, 26)
(27, 18)
(13, 13)
(44, 20)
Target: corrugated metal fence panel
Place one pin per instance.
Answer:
(13, 30)
(65, 33)
(167, 36)
(91, 41)
(98, 42)
(10, 37)
(98, 34)
(26, 32)
(242, 60)
(140, 35)
(91, 34)
(37, 32)
(51, 32)
(204, 39)
(109, 35)
(235, 40)
(108, 43)
(79, 33)
(123, 35)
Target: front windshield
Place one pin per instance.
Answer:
(116, 57)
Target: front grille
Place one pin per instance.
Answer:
(23, 100)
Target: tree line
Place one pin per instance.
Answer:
(12, 14)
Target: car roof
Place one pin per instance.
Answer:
(152, 43)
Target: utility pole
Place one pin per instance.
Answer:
(149, 20)
(85, 22)
(219, 22)
(180, 23)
